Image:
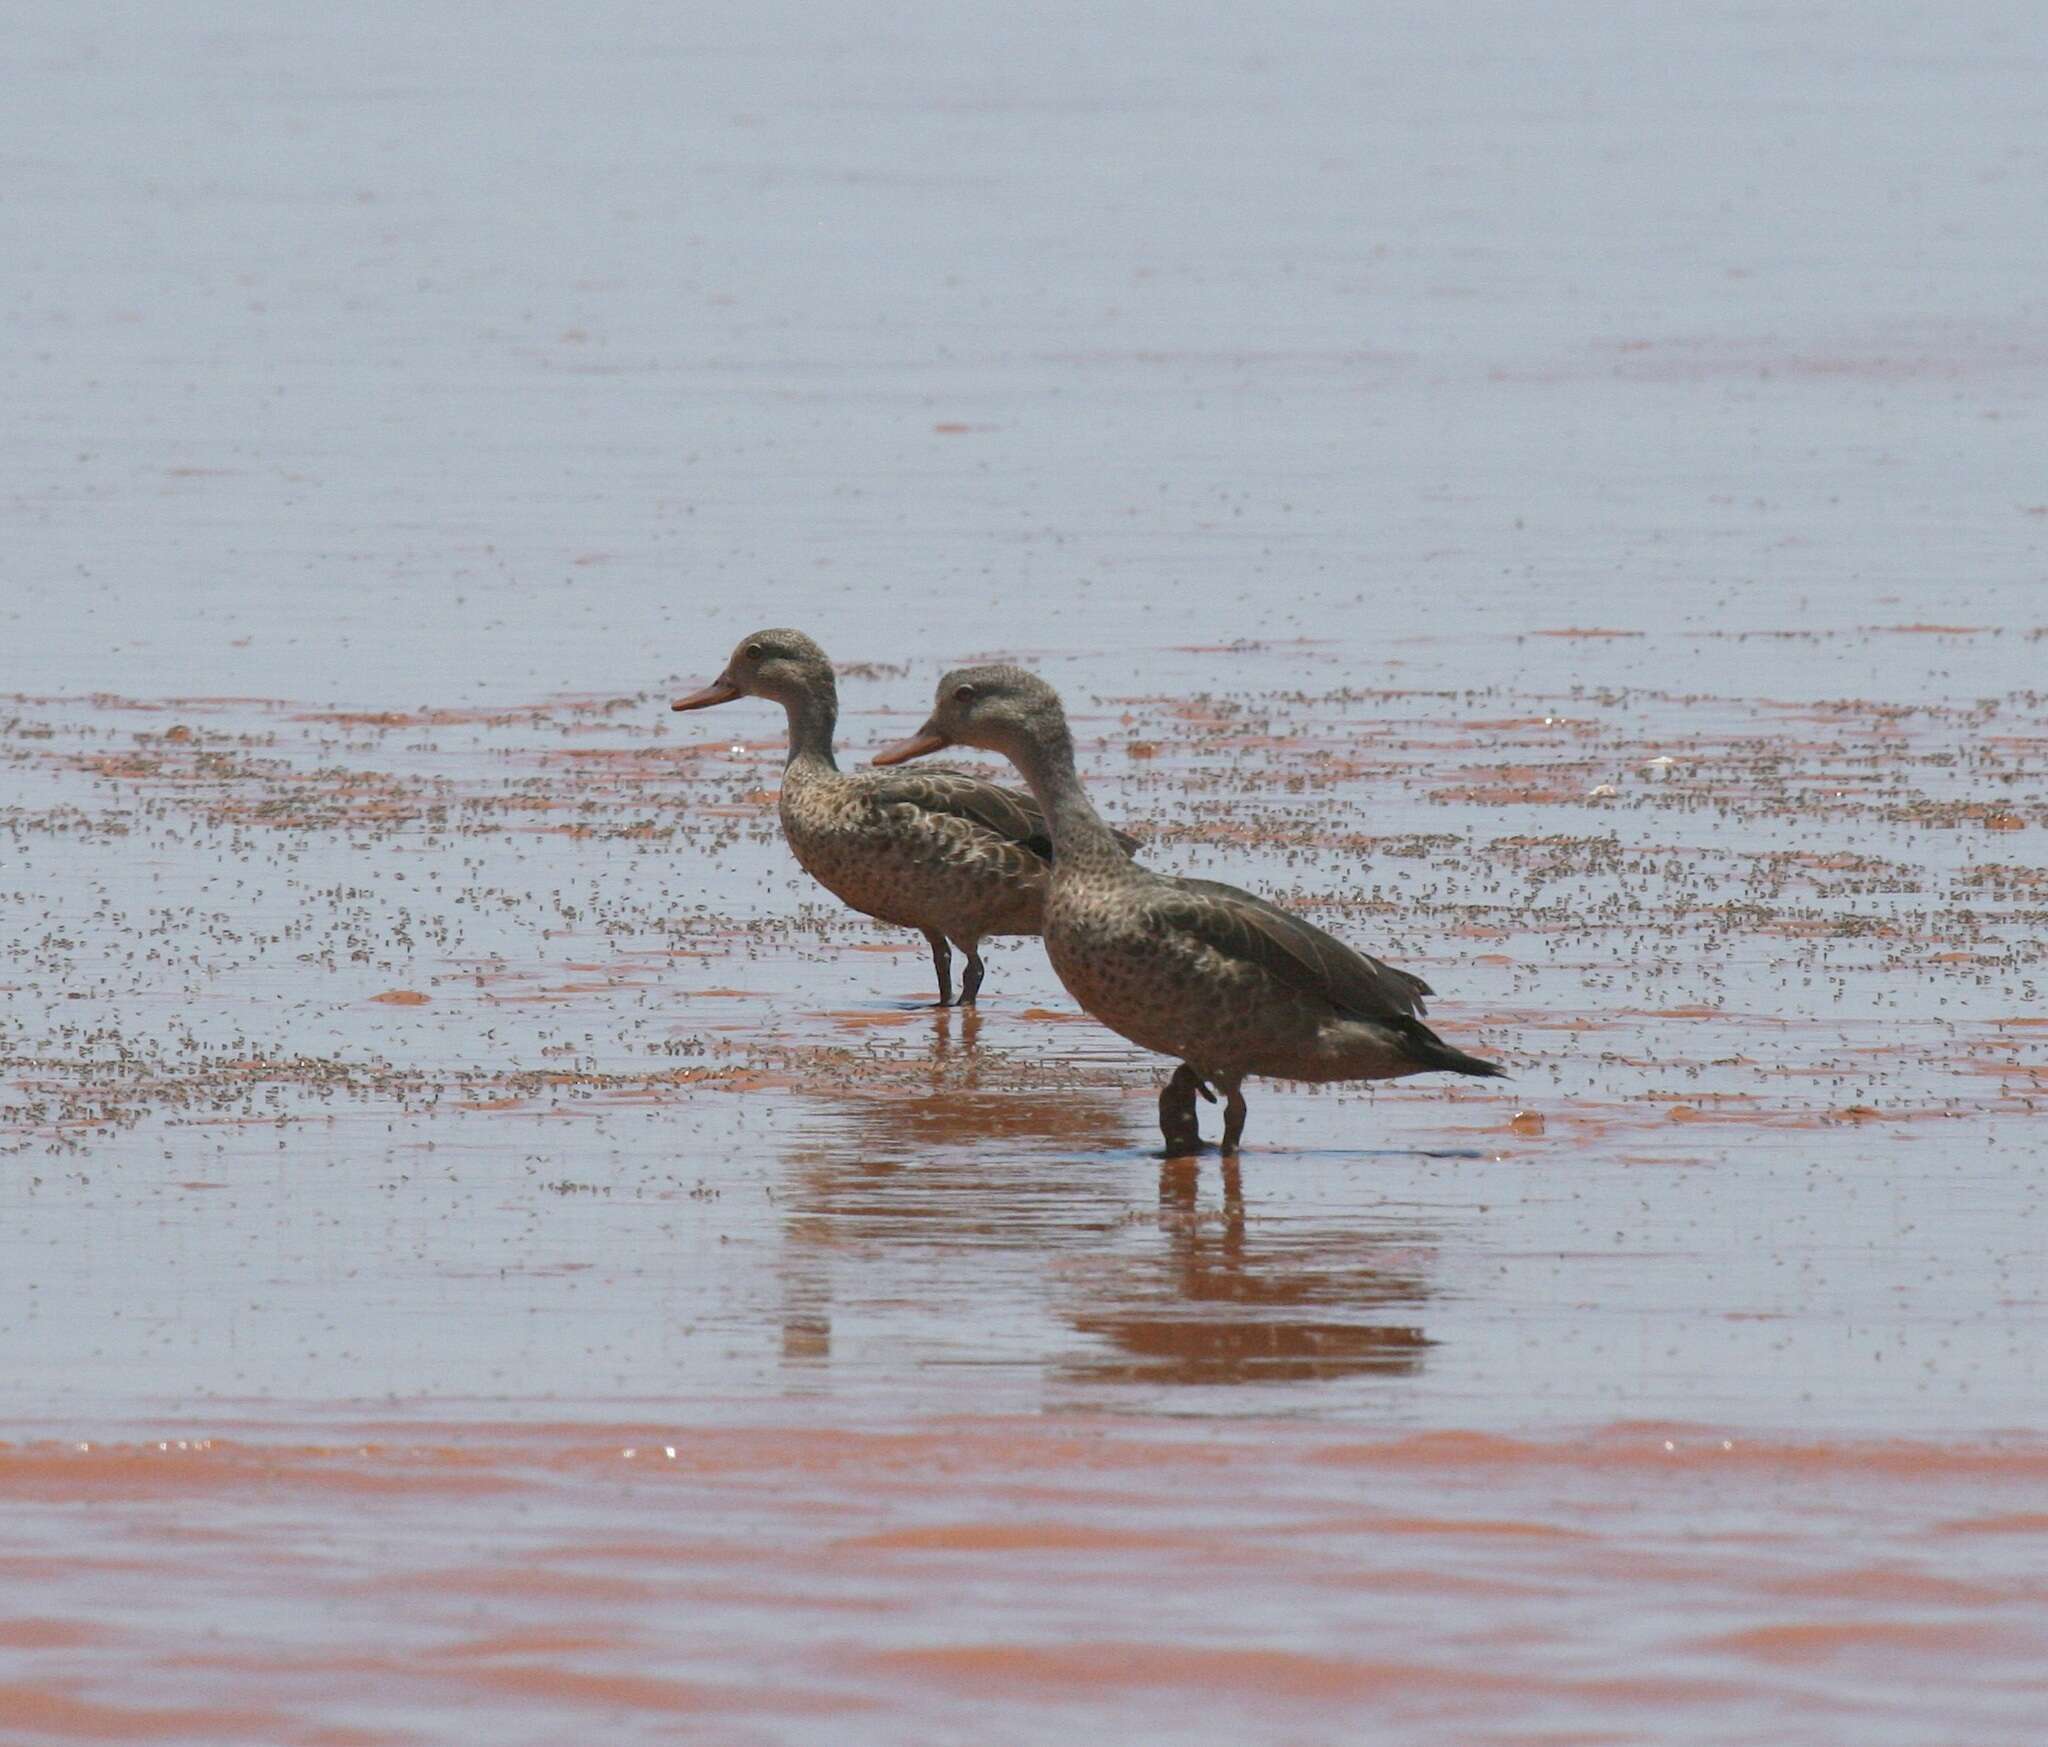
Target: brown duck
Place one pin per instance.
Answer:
(940, 851)
(1225, 982)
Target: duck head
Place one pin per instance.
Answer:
(998, 708)
(781, 664)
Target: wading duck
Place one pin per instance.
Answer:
(940, 851)
(1225, 982)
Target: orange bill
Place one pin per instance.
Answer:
(926, 739)
(719, 691)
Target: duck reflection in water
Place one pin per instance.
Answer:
(960, 1202)
(942, 1179)
(1212, 1304)
(933, 1111)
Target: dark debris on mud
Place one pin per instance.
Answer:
(232, 910)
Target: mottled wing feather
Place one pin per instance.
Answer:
(1009, 813)
(1012, 816)
(1299, 953)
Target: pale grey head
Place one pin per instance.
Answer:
(999, 708)
(781, 664)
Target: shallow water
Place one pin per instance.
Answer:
(486, 1246)
(1006, 1577)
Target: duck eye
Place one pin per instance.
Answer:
(963, 694)
(753, 652)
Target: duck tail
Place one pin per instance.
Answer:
(1428, 1049)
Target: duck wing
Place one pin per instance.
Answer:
(1011, 814)
(1299, 953)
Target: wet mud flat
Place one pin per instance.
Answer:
(489, 1235)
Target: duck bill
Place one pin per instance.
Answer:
(926, 739)
(719, 691)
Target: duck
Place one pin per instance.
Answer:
(1227, 984)
(942, 851)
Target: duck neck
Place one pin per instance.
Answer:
(813, 718)
(1080, 838)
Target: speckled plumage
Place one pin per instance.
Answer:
(1225, 982)
(941, 851)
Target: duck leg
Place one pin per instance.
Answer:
(942, 962)
(970, 981)
(1234, 1110)
(1177, 1112)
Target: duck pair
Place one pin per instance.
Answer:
(1225, 983)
